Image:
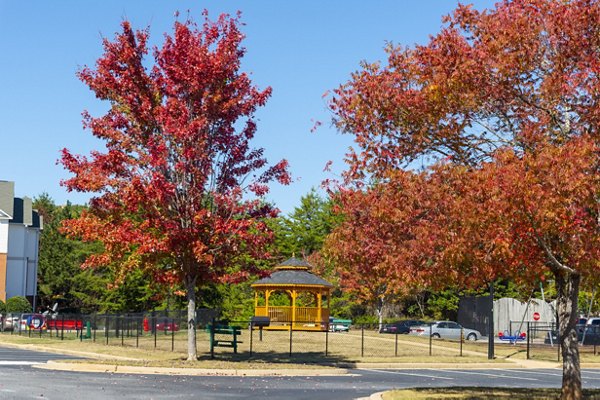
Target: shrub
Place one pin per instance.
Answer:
(2, 307)
(18, 304)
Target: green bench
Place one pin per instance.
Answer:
(228, 336)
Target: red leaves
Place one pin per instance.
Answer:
(177, 136)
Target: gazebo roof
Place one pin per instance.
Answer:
(292, 272)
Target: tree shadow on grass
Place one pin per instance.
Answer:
(306, 358)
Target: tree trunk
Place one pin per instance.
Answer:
(191, 317)
(567, 285)
(380, 305)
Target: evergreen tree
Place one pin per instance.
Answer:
(303, 231)
(62, 280)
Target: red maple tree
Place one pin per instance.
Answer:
(517, 81)
(178, 191)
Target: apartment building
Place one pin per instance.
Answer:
(20, 228)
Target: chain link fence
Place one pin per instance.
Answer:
(542, 341)
(245, 339)
(167, 331)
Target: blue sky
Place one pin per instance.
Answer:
(299, 48)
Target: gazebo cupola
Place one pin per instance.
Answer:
(293, 298)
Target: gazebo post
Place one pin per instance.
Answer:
(294, 295)
(267, 295)
(319, 306)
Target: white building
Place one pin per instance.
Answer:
(20, 228)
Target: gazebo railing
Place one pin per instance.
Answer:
(285, 314)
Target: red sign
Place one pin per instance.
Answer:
(536, 316)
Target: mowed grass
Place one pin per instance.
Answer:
(310, 348)
(318, 348)
(477, 393)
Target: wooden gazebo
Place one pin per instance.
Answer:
(306, 298)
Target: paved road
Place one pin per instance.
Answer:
(9, 356)
(26, 382)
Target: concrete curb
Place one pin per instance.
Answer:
(383, 365)
(130, 369)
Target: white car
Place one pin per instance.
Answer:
(339, 325)
(445, 330)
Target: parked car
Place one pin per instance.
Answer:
(445, 330)
(595, 321)
(167, 326)
(339, 325)
(10, 322)
(401, 327)
(589, 333)
(15, 322)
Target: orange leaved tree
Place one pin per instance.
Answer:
(503, 98)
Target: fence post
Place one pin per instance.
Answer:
(137, 332)
(122, 330)
(94, 328)
(558, 338)
(251, 335)
(291, 339)
(212, 339)
(362, 340)
(62, 328)
(154, 326)
(326, 341)
(396, 346)
(172, 334)
(462, 338)
(528, 339)
(430, 339)
(106, 326)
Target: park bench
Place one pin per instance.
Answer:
(224, 336)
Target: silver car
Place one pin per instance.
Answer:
(9, 322)
(445, 330)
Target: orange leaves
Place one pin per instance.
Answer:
(514, 75)
(472, 225)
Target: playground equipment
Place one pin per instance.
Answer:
(516, 337)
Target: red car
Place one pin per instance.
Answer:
(167, 326)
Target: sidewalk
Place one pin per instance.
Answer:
(129, 369)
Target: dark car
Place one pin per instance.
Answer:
(402, 327)
(589, 332)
